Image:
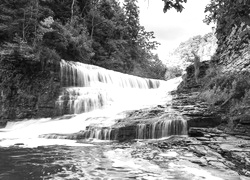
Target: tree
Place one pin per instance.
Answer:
(17, 19)
(228, 15)
(139, 40)
(132, 18)
(99, 32)
(176, 4)
(62, 10)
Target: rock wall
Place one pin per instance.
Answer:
(233, 56)
(233, 51)
(27, 89)
(189, 84)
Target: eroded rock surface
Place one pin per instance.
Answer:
(215, 150)
(196, 112)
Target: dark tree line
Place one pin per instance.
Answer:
(99, 32)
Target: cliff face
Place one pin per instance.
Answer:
(225, 83)
(27, 90)
(233, 51)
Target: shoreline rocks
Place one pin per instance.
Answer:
(213, 150)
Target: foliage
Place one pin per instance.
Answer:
(172, 72)
(20, 18)
(70, 41)
(229, 93)
(100, 32)
(223, 89)
(228, 14)
(152, 67)
(201, 45)
(176, 4)
(156, 69)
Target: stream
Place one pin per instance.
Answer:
(97, 160)
(96, 97)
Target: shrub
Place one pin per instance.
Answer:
(173, 72)
(48, 57)
(224, 89)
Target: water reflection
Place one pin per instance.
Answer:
(52, 162)
(104, 161)
(63, 162)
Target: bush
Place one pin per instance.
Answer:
(173, 72)
(70, 41)
(48, 57)
(215, 96)
(226, 89)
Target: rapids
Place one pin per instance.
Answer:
(96, 97)
(91, 95)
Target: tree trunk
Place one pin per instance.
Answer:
(92, 30)
(72, 10)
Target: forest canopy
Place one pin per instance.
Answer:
(99, 32)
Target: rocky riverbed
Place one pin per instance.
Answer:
(210, 147)
(222, 155)
(205, 147)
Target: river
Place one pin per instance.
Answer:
(96, 97)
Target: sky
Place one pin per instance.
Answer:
(172, 28)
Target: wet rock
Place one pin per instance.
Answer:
(211, 159)
(202, 139)
(126, 133)
(196, 160)
(199, 150)
(195, 132)
(223, 152)
(3, 123)
(230, 164)
(218, 165)
(245, 119)
(244, 178)
(203, 121)
(195, 111)
(19, 144)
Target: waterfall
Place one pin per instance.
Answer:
(77, 100)
(97, 133)
(89, 133)
(91, 101)
(84, 75)
(88, 87)
(162, 128)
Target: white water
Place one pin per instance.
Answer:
(104, 101)
(162, 128)
(98, 97)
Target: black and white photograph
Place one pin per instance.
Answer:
(124, 89)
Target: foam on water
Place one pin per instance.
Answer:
(98, 97)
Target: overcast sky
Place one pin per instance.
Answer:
(172, 28)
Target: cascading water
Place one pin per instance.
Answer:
(161, 129)
(84, 75)
(92, 99)
(88, 87)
